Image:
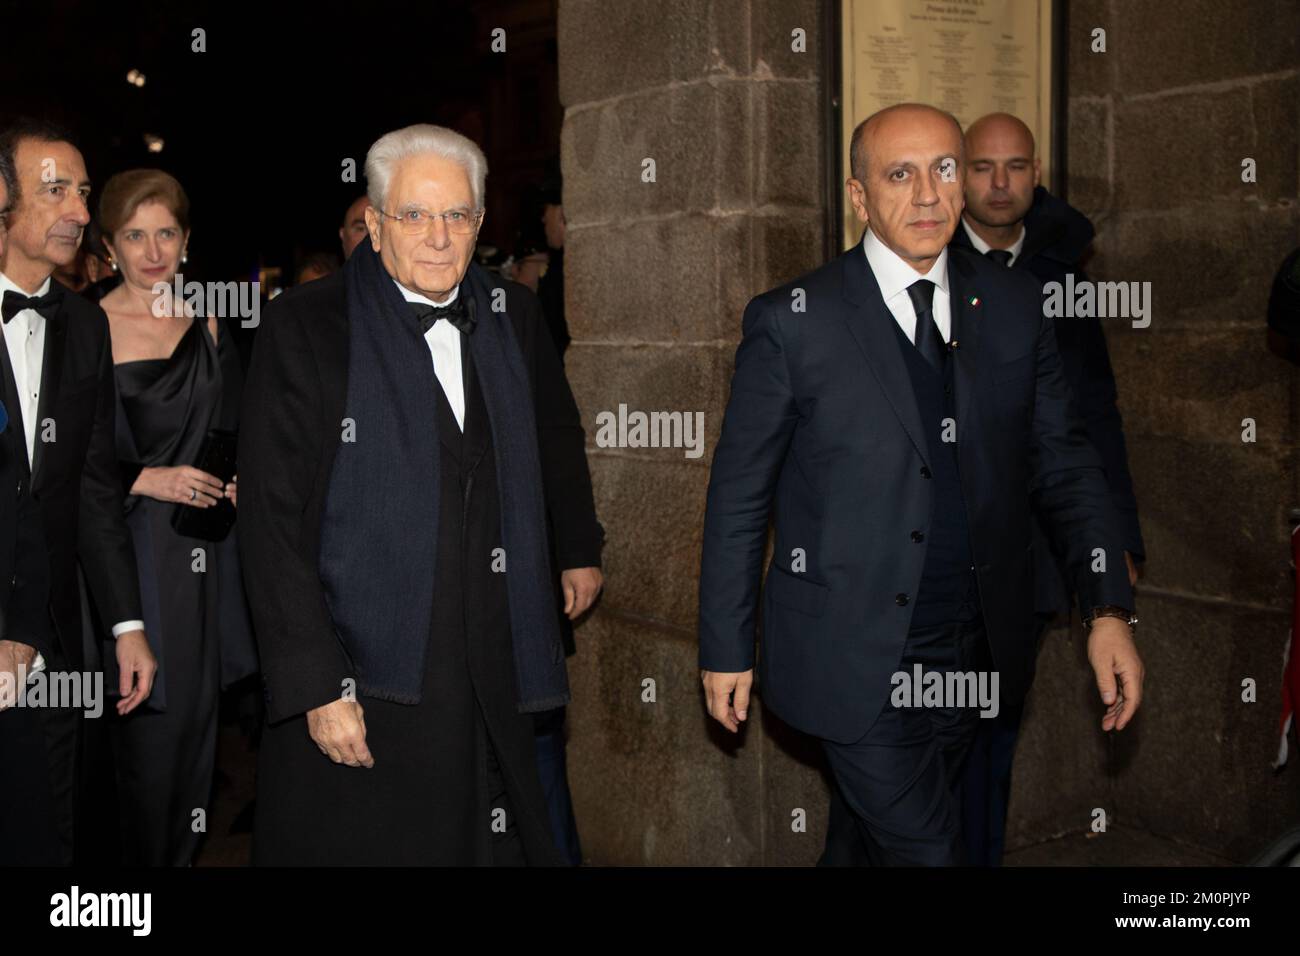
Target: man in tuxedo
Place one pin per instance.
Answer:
(407, 432)
(901, 412)
(1013, 221)
(59, 392)
(27, 835)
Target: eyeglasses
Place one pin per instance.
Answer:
(415, 220)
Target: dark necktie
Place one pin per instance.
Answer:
(1001, 256)
(928, 340)
(456, 313)
(15, 302)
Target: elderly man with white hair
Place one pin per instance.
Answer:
(397, 558)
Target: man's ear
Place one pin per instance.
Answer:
(372, 227)
(1038, 171)
(857, 196)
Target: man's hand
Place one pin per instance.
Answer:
(15, 658)
(1114, 661)
(136, 668)
(580, 586)
(718, 689)
(339, 730)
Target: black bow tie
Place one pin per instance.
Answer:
(15, 302)
(457, 313)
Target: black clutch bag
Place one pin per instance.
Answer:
(217, 458)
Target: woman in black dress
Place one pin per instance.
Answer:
(178, 376)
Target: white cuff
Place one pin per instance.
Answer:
(120, 629)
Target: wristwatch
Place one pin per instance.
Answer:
(1110, 610)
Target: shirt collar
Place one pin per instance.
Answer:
(410, 296)
(892, 272)
(6, 284)
(983, 247)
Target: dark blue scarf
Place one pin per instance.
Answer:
(380, 526)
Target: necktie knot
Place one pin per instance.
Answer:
(456, 313)
(1001, 256)
(15, 302)
(921, 292)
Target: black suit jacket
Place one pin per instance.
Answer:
(27, 834)
(822, 432)
(74, 477)
(1057, 237)
(290, 431)
(24, 563)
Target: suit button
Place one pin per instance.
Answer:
(20, 488)
(947, 389)
(917, 537)
(925, 472)
(900, 599)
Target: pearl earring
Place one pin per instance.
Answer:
(185, 257)
(113, 265)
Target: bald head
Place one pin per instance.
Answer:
(907, 180)
(890, 119)
(1001, 173)
(998, 130)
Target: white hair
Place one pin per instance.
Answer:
(393, 147)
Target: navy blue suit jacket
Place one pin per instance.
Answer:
(823, 435)
(1056, 237)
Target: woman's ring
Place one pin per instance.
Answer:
(194, 493)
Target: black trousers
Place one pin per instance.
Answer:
(986, 780)
(507, 844)
(63, 751)
(27, 826)
(895, 800)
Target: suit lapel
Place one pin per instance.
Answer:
(872, 326)
(15, 431)
(477, 431)
(966, 307)
(450, 435)
(56, 334)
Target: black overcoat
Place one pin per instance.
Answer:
(425, 801)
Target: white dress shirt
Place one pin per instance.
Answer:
(25, 340)
(894, 275)
(444, 347)
(983, 247)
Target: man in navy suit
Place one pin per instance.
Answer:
(1013, 221)
(901, 413)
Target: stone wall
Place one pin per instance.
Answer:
(1158, 127)
(658, 274)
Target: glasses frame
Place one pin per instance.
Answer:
(475, 217)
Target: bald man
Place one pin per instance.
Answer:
(1012, 220)
(900, 413)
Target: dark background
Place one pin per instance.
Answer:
(256, 129)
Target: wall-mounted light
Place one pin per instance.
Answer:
(153, 143)
(135, 78)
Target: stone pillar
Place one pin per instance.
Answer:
(658, 274)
